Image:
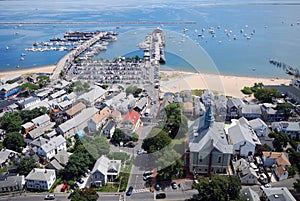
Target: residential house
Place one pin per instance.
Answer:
(243, 138)
(6, 156)
(10, 183)
(58, 95)
(290, 91)
(38, 142)
(105, 170)
(233, 107)
(208, 98)
(8, 90)
(44, 103)
(5, 105)
(40, 179)
(79, 122)
(76, 109)
(141, 104)
(270, 114)
(43, 93)
(12, 78)
(199, 108)
(245, 172)
(109, 129)
(127, 104)
(187, 96)
(260, 127)
(221, 107)
(99, 119)
(188, 109)
(279, 161)
(41, 121)
(27, 127)
(281, 172)
(65, 105)
(52, 147)
(209, 150)
(130, 122)
(62, 84)
(35, 133)
(277, 193)
(93, 95)
(249, 195)
(59, 161)
(292, 129)
(250, 111)
(23, 104)
(70, 97)
(115, 100)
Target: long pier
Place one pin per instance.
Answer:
(64, 63)
(106, 22)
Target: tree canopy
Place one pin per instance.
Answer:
(26, 165)
(14, 141)
(11, 122)
(96, 146)
(159, 140)
(281, 140)
(219, 187)
(85, 194)
(134, 90)
(265, 95)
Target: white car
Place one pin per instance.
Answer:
(147, 177)
(50, 197)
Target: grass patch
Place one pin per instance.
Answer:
(109, 187)
(57, 182)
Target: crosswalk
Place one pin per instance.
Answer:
(142, 190)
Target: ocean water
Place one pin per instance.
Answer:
(276, 25)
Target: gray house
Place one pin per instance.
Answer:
(11, 183)
(250, 111)
(208, 146)
(105, 170)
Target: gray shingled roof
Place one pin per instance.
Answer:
(4, 154)
(103, 165)
(53, 143)
(251, 109)
(241, 133)
(255, 123)
(41, 119)
(282, 194)
(13, 181)
(40, 174)
(93, 94)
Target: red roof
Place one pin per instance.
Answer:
(132, 116)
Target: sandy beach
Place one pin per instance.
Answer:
(42, 69)
(224, 84)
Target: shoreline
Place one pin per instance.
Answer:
(174, 81)
(41, 69)
(228, 85)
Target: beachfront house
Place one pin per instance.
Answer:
(99, 119)
(243, 138)
(105, 170)
(233, 107)
(270, 114)
(52, 147)
(250, 111)
(8, 90)
(208, 98)
(199, 108)
(221, 107)
(209, 150)
(40, 179)
(292, 129)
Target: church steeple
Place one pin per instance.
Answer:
(209, 118)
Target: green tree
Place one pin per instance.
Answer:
(134, 137)
(134, 90)
(281, 140)
(157, 142)
(118, 136)
(62, 74)
(96, 146)
(265, 95)
(11, 122)
(297, 185)
(85, 194)
(26, 165)
(29, 86)
(219, 187)
(14, 141)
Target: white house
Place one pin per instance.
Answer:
(40, 179)
(245, 172)
(105, 170)
(98, 119)
(260, 127)
(41, 121)
(52, 147)
(277, 193)
(28, 102)
(243, 138)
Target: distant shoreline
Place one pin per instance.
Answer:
(41, 69)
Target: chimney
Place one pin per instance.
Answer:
(45, 171)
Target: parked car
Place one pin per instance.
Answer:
(157, 186)
(75, 186)
(161, 196)
(50, 197)
(147, 177)
(129, 191)
(148, 172)
(80, 180)
(174, 185)
(139, 152)
(64, 187)
(131, 144)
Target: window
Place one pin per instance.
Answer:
(219, 159)
(200, 158)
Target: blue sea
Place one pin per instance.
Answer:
(270, 30)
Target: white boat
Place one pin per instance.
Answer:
(6, 47)
(23, 54)
(185, 29)
(22, 58)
